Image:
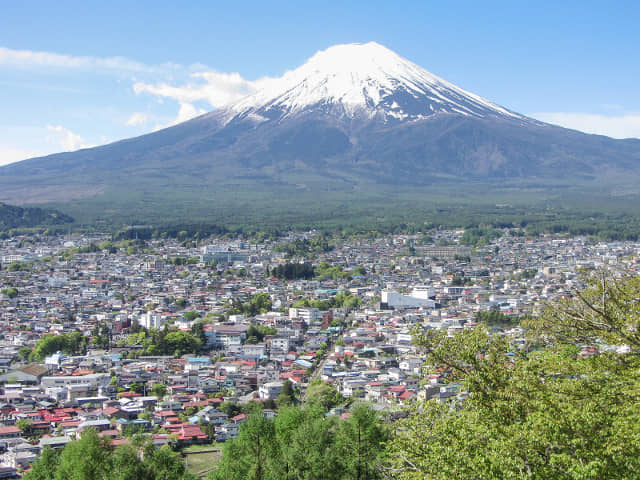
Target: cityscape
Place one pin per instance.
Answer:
(347, 319)
(319, 241)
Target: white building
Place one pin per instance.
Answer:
(151, 320)
(306, 314)
(420, 297)
(270, 390)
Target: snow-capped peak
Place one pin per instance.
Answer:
(364, 80)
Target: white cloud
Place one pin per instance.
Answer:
(196, 83)
(217, 90)
(31, 58)
(187, 112)
(620, 126)
(64, 137)
(138, 118)
(11, 154)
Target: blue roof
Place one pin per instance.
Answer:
(199, 360)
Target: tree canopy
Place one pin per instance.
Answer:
(260, 303)
(553, 412)
(72, 343)
(302, 443)
(93, 458)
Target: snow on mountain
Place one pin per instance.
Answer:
(366, 81)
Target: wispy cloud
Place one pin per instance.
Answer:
(64, 137)
(616, 126)
(188, 85)
(48, 59)
(186, 112)
(138, 119)
(41, 59)
(217, 89)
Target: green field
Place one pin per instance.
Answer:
(200, 459)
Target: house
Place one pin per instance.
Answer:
(9, 432)
(212, 416)
(225, 432)
(29, 375)
(225, 336)
(56, 443)
(270, 390)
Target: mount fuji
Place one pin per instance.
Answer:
(353, 118)
(363, 81)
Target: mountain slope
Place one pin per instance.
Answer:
(18, 217)
(353, 116)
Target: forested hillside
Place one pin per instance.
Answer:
(19, 217)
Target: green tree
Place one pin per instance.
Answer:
(126, 465)
(180, 342)
(24, 353)
(191, 315)
(25, 425)
(159, 390)
(93, 458)
(247, 456)
(287, 395)
(359, 442)
(85, 459)
(549, 413)
(323, 395)
(309, 451)
(164, 464)
(45, 467)
(72, 343)
(11, 292)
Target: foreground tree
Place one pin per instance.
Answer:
(552, 413)
(301, 443)
(93, 458)
(246, 456)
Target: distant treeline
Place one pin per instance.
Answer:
(12, 217)
(304, 247)
(604, 221)
(293, 271)
(178, 231)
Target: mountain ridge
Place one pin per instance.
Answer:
(342, 122)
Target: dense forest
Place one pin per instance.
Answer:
(27, 217)
(483, 223)
(601, 218)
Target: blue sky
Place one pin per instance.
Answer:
(75, 74)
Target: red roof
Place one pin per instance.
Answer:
(397, 388)
(239, 418)
(165, 413)
(130, 394)
(8, 430)
(70, 423)
(110, 410)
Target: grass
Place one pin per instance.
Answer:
(201, 459)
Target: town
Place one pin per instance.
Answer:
(170, 338)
